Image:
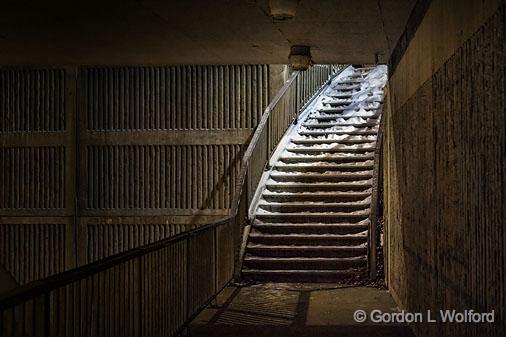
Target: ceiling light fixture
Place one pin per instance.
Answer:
(300, 57)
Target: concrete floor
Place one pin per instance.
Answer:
(295, 310)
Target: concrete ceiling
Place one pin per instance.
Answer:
(196, 31)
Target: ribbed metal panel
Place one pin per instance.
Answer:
(164, 290)
(165, 98)
(106, 304)
(108, 239)
(33, 251)
(201, 269)
(161, 176)
(36, 171)
(32, 177)
(125, 142)
(32, 100)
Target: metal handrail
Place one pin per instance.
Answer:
(254, 143)
(334, 70)
(39, 287)
(372, 254)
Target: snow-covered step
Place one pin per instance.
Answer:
(341, 95)
(308, 276)
(339, 103)
(370, 102)
(357, 80)
(348, 119)
(364, 69)
(325, 167)
(305, 217)
(343, 131)
(334, 148)
(347, 89)
(334, 158)
(314, 196)
(285, 261)
(318, 187)
(332, 125)
(334, 140)
(336, 117)
(307, 251)
(320, 177)
(308, 239)
(340, 87)
(340, 109)
(293, 207)
(311, 227)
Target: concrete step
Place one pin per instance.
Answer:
(308, 276)
(304, 263)
(308, 239)
(359, 80)
(354, 167)
(329, 110)
(292, 207)
(305, 177)
(341, 95)
(347, 88)
(274, 251)
(340, 109)
(318, 187)
(336, 158)
(306, 217)
(342, 140)
(310, 228)
(364, 69)
(333, 117)
(334, 103)
(355, 75)
(335, 148)
(343, 131)
(332, 125)
(315, 197)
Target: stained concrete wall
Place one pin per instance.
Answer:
(445, 166)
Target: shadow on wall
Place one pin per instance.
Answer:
(7, 282)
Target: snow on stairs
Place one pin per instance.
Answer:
(311, 222)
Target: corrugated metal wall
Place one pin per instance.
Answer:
(173, 98)
(32, 100)
(152, 151)
(37, 144)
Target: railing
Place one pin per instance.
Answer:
(149, 291)
(283, 110)
(377, 182)
(159, 288)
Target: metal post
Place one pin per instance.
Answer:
(216, 269)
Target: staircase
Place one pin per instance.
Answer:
(312, 218)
